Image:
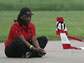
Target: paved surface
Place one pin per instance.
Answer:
(55, 54)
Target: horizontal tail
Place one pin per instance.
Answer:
(66, 44)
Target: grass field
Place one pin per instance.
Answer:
(45, 22)
(42, 4)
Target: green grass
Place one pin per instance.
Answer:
(45, 22)
(42, 4)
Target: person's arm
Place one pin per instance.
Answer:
(40, 51)
(35, 42)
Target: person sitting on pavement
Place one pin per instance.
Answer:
(22, 40)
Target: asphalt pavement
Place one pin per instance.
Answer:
(55, 54)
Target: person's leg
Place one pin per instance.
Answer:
(42, 42)
(16, 49)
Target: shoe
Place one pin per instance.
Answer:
(27, 55)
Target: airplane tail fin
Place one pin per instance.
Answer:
(60, 25)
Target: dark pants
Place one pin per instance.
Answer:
(17, 48)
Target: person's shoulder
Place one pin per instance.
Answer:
(31, 24)
(15, 24)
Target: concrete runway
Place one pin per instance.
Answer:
(55, 54)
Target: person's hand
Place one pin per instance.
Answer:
(40, 51)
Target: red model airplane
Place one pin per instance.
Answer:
(61, 30)
(60, 25)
